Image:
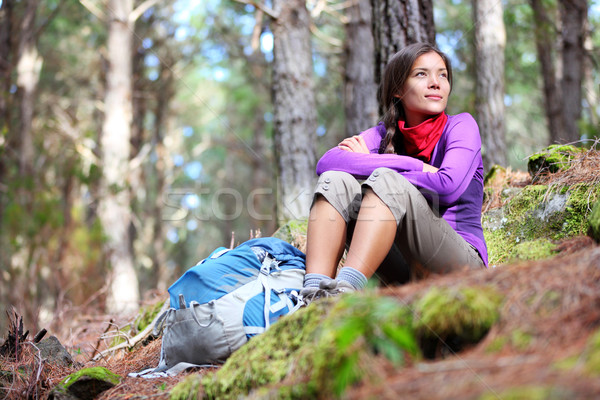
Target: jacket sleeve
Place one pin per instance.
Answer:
(361, 165)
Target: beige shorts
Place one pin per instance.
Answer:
(424, 241)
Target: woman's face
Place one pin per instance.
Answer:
(425, 92)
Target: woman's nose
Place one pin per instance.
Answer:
(434, 82)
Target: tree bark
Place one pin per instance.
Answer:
(159, 256)
(294, 109)
(6, 150)
(589, 86)
(6, 67)
(574, 19)
(360, 90)
(490, 41)
(545, 33)
(115, 208)
(29, 65)
(398, 23)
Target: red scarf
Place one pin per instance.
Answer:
(420, 140)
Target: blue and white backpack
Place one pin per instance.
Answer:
(227, 298)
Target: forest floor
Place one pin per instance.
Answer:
(545, 345)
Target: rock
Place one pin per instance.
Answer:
(85, 384)
(54, 352)
(552, 159)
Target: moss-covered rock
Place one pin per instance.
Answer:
(189, 388)
(319, 349)
(327, 347)
(85, 384)
(536, 249)
(554, 158)
(468, 312)
(532, 221)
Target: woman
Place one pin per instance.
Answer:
(404, 196)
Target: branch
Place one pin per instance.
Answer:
(93, 9)
(71, 132)
(328, 39)
(137, 338)
(142, 8)
(47, 21)
(261, 7)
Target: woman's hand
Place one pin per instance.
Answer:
(429, 168)
(354, 144)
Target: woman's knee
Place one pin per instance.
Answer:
(341, 190)
(391, 178)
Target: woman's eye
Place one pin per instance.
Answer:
(420, 73)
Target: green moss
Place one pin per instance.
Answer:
(467, 312)
(497, 344)
(189, 388)
(493, 174)
(589, 358)
(533, 250)
(567, 363)
(147, 315)
(499, 244)
(319, 349)
(594, 222)
(98, 373)
(520, 339)
(554, 158)
(359, 328)
(536, 217)
(266, 358)
(530, 393)
(579, 210)
(592, 354)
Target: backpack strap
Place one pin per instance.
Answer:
(269, 266)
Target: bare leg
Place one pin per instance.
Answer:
(326, 238)
(373, 235)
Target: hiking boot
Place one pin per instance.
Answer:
(327, 288)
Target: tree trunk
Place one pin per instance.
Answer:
(398, 23)
(490, 41)
(6, 149)
(545, 33)
(159, 256)
(574, 18)
(589, 86)
(294, 109)
(6, 67)
(115, 208)
(360, 100)
(29, 65)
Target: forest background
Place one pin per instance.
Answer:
(112, 184)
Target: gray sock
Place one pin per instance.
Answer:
(312, 279)
(353, 277)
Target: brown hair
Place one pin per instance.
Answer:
(394, 76)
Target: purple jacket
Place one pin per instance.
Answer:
(456, 189)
